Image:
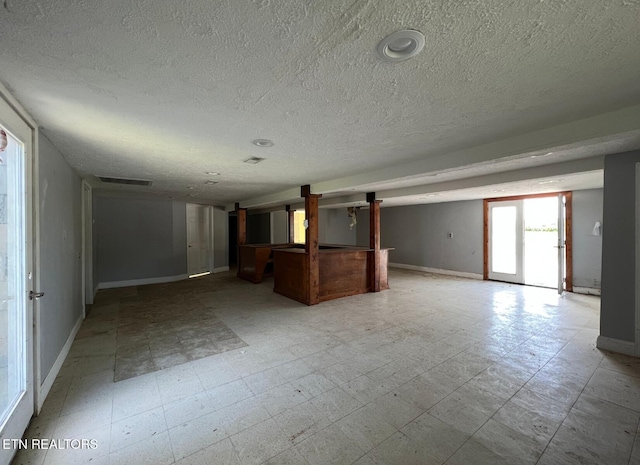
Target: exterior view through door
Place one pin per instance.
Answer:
(16, 279)
(527, 240)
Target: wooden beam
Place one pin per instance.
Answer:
(242, 231)
(568, 231)
(290, 224)
(311, 245)
(374, 241)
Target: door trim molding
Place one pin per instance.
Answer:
(143, 281)
(568, 232)
(460, 274)
(55, 369)
(616, 345)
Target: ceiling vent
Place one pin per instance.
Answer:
(125, 181)
(253, 160)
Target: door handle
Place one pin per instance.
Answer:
(35, 295)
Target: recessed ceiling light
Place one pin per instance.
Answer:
(210, 182)
(212, 173)
(401, 45)
(498, 190)
(263, 143)
(253, 160)
(191, 188)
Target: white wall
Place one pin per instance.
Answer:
(60, 212)
(139, 239)
(587, 248)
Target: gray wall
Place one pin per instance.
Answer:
(587, 256)
(362, 227)
(334, 227)
(279, 227)
(94, 241)
(419, 235)
(139, 238)
(60, 252)
(258, 228)
(220, 239)
(618, 304)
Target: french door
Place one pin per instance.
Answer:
(16, 278)
(517, 252)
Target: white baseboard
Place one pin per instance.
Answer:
(586, 290)
(461, 274)
(44, 389)
(616, 345)
(220, 269)
(142, 282)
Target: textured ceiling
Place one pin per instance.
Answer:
(167, 90)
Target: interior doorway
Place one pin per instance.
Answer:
(528, 240)
(199, 244)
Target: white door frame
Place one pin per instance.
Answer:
(18, 121)
(87, 246)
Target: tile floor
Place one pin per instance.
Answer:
(435, 370)
(151, 338)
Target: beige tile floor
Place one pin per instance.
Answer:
(435, 370)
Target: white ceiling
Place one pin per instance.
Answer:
(165, 90)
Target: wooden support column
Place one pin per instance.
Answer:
(311, 245)
(374, 240)
(290, 230)
(242, 231)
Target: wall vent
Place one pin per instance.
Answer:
(129, 182)
(253, 160)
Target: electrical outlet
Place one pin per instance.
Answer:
(450, 235)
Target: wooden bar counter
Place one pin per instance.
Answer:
(256, 260)
(344, 271)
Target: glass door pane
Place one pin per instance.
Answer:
(16, 268)
(12, 273)
(503, 240)
(541, 241)
(506, 231)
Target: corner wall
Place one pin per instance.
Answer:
(60, 211)
(618, 304)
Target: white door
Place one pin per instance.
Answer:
(506, 231)
(198, 239)
(16, 280)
